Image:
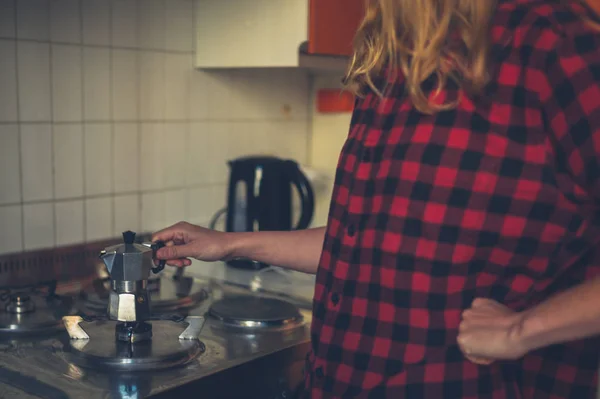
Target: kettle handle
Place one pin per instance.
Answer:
(307, 196)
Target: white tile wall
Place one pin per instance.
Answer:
(7, 18)
(68, 160)
(8, 81)
(69, 222)
(106, 126)
(96, 84)
(38, 225)
(36, 162)
(32, 19)
(9, 165)
(96, 22)
(33, 63)
(65, 23)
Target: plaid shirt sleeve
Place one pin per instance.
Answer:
(571, 99)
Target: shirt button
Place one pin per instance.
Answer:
(366, 155)
(319, 372)
(335, 298)
(351, 230)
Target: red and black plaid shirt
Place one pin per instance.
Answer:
(498, 198)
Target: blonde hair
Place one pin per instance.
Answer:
(449, 39)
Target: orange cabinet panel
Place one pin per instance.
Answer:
(332, 25)
(595, 4)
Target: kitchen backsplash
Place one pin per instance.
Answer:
(106, 126)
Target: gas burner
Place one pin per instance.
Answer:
(167, 294)
(246, 311)
(133, 346)
(26, 313)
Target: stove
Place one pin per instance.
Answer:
(174, 294)
(255, 313)
(34, 311)
(195, 331)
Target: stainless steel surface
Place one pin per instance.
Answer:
(73, 327)
(20, 303)
(101, 351)
(45, 366)
(192, 331)
(130, 287)
(43, 317)
(252, 312)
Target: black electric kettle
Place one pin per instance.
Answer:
(260, 198)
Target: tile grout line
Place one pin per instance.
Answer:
(138, 111)
(19, 139)
(83, 126)
(137, 49)
(112, 122)
(52, 158)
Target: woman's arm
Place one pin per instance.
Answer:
(299, 250)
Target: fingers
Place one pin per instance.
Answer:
(174, 233)
(184, 262)
(175, 252)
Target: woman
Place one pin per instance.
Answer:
(470, 170)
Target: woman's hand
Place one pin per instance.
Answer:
(184, 241)
(490, 331)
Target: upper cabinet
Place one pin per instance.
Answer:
(276, 33)
(333, 24)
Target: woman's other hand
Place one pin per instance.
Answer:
(490, 331)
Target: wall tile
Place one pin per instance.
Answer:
(98, 218)
(124, 23)
(219, 84)
(152, 86)
(32, 19)
(33, 66)
(124, 85)
(179, 25)
(11, 229)
(127, 213)
(172, 159)
(36, 161)
(153, 212)
(38, 225)
(69, 222)
(7, 18)
(66, 83)
(152, 156)
(96, 22)
(175, 206)
(68, 160)
(151, 24)
(98, 158)
(208, 153)
(65, 24)
(178, 73)
(96, 84)
(126, 147)
(205, 202)
(199, 95)
(10, 176)
(289, 140)
(8, 81)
